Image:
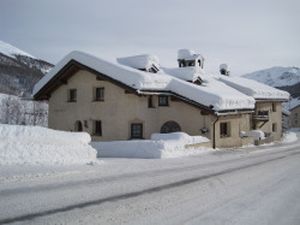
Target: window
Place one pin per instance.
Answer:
(274, 127)
(163, 100)
(191, 63)
(78, 126)
(224, 129)
(169, 127)
(99, 94)
(97, 128)
(136, 130)
(72, 95)
(150, 102)
(273, 107)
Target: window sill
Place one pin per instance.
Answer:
(227, 136)
(98, 101)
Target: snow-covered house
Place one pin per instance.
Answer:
(295, 116)
(268, 104)
(133, 97)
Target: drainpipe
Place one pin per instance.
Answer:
(214, 132)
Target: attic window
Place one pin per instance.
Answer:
(163, 100)
(191, 63)
(72, 95)
(99, 94)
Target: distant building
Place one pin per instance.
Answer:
(295, 116)
(133, 97)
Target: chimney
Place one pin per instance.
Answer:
(188, 58)
(224, 69)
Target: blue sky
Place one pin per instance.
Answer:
(248, 35)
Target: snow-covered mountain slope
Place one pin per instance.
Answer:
(12, 51)
(277, 76)
(285, 78)
(19, 71)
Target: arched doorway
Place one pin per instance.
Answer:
(169, 127)
(78, 126)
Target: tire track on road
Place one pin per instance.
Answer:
(124, 196)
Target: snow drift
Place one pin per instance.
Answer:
(38, 145)
(160, 146)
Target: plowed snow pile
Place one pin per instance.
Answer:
(169, 145)
(38, 145)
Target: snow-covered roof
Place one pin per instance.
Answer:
(190, 73)
(253, 88)
(12, 51)
(140, 61)
(213, 94)
(188, 54)
(293, 103)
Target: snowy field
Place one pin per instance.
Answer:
(254, 185)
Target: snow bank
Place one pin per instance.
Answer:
(38, 145)
(160, 146)
(179, 136)
(255, 134)
(289, 137)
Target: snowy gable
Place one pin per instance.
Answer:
(213, 94)
(255, 89)
(185, 73)
(145, 62)
(129, 76)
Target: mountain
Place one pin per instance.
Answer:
(19, 71)
(284, 78)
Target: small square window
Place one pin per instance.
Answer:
(97, 128)
(99, 94)
(224, 129)
(136, 131)
(72, 95)
(163, 100)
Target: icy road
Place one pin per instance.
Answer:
(244, 186)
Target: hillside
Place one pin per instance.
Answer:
(19, 71)
(285, 78)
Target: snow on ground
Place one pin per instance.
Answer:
(242, 186)
(289, 137)
(38, 145)
(12, 51)
(160, 146)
